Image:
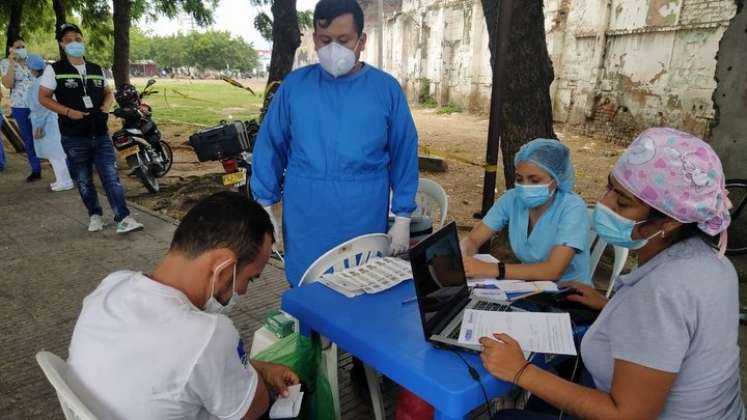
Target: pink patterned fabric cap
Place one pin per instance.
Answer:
(678, 174)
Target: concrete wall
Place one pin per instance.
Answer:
(623, 65)
(729, 136)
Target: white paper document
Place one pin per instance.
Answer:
(288, 407)
(486, 258)
(490, 295)
(375, 276)
(536, 332)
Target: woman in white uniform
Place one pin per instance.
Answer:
(47, 142)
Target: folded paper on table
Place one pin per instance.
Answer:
(375, 276)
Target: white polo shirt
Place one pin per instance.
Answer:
(142, 350)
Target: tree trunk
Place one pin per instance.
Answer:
(14, 23)
(121, 59)
(60, 18)
(528, 75)
(286, 38)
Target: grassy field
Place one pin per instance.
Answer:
(201, 103)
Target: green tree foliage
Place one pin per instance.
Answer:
(263, 21)
(211, 50)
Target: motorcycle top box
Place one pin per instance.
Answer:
(221, 142)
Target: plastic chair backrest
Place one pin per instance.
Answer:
(598, 246)
(349, 254)
(55, 369)
(429, 193)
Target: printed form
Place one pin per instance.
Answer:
(537, 332)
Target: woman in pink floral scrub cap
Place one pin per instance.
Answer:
(665, 345)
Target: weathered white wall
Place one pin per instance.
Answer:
(620, 65)
(658, 64)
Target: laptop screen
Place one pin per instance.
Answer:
(439, 278)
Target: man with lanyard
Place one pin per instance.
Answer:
(338, 137)
(82, 98)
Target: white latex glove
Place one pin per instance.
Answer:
(400, 235)
(275, 225)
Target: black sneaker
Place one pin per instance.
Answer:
(35, 176)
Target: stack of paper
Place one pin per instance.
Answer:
(288, 407)
(375, 276)
(511, 288)
(536, 332)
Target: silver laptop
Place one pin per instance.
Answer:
(441, 288)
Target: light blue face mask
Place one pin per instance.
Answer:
(22, 53)
(75, 49)
(533, 195)
(617, 230)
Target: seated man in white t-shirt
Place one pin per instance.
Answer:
(160, 346)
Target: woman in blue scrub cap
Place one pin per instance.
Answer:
(548, 224)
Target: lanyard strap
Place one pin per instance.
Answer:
(83, 80)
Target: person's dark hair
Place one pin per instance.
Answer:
(328, 10)
(16, 38)
(65, 28)
(687, 231)
(223, 220)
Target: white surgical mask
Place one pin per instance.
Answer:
(212, 305)
(336, 59)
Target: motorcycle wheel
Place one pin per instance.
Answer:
(149, 181)
(168, 158)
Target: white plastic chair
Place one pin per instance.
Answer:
(429, 193)
(598, 246)
(352, 253)
(55, 370)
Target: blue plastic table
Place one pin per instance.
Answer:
(387, 335)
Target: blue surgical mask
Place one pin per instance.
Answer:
(617, 230)
(75, 49)
(533, 195)
(21, 53)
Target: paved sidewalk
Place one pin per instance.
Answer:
(49, 262)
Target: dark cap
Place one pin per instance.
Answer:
(65, 28)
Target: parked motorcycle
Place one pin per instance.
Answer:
(139, 141)
(231, 144)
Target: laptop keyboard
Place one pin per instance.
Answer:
(482, 306)
(491, 306)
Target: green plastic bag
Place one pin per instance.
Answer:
(303, 355)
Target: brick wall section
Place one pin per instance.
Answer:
(706, 11)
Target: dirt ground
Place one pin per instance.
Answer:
(460, 135)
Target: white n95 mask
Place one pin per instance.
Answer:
(336, 59)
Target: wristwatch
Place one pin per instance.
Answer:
(501, 270)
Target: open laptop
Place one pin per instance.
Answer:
(441, 288)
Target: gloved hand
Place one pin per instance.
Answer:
(275, 225)
(400, 235)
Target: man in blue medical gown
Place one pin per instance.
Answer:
(337, 138)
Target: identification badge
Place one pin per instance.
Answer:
(87, 102)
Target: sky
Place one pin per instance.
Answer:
(235, 16)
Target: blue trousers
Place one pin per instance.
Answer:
(21, 115)
(82, 154)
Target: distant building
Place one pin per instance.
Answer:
(143, 68)
(263, 63)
